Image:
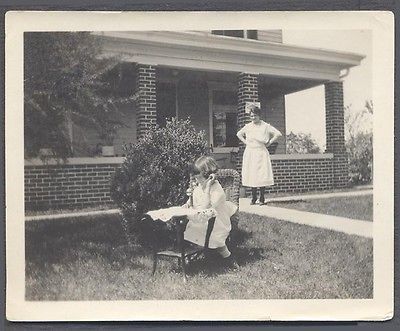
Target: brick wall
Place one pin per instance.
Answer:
(146, 103)
(247, 92)
(335, 141)
(69, 185)
(86, 183)
(301, 174)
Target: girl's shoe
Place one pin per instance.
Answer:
(230, 263)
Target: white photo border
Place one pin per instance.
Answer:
(379, 308)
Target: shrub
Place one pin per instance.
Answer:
(359, 149)
(301, 143)
(154, 174)
(358, 126)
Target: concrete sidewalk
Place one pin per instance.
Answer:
(321, 196)
(69, 215)
(341, 224)
(336, 223)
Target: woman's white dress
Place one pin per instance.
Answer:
(256, 165)
(197, 226)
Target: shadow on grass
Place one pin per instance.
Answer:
(67, 241)
(212, 264)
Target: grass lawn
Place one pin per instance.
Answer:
(88, 259)
(356, 207)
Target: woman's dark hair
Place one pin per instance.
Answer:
(255, 110)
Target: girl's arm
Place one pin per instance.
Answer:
(217, 195)
(207, 201)
(186, 204)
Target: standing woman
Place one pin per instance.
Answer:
(256, 167)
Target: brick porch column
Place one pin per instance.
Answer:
(146, 102)
(247, 92)
(335, 142)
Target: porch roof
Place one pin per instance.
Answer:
(204, 51)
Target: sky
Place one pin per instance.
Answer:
(305, 110)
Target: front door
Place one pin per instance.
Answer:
(224, 119)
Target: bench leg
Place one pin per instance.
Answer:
(183, 267)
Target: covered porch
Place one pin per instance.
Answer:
(209, 78)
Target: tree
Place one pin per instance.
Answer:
(64, 81)
(301, 143)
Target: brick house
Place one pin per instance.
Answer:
(208, 76)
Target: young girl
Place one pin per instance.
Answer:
(208, 193)
(256, 166)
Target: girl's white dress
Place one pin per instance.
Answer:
(197, 226)
(256, 166)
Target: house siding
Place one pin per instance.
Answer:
(86, 138)
(128, 133)
(270, 35)
(273, 110)
(193, 103)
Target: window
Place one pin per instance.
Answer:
(248, 34)
(166, 102)
(229, 33)
(252, 34)
(224, 118)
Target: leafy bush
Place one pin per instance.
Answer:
(359, 149)
(154, 174)
(301, 143)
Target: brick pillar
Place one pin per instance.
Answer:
(146, 102)
(247, 92)
(335, 142)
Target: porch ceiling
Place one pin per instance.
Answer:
(274, 86)
(270, 86)
(202, 51)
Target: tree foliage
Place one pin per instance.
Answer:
(359, 143)
(301, 143)
(64, 82)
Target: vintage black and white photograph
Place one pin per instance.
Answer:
(199, 164)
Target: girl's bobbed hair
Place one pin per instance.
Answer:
(204, 165)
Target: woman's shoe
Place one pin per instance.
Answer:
(253, 201)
